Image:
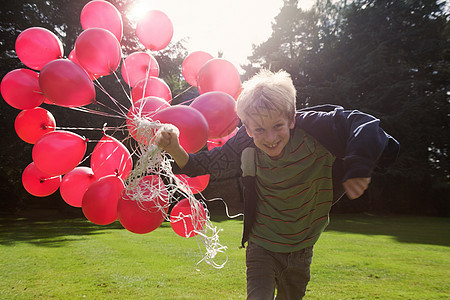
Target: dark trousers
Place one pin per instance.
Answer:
(288, 273)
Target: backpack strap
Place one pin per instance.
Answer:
(248, 163)
(248, 167)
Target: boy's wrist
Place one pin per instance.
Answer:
(180, 156)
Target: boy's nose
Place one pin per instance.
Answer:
(271, 136)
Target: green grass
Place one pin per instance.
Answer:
(358, 257)
(364, 257)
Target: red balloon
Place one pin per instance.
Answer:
(100, 200)
(197, 184)
(31, 124)
(140, 216)
(185, 218)
(213, 143)
(65, 83)
(144, 109)
(192, 65)
(102, 14)
(73, 57)
(152, 86)
(98, 51)
(20, 89)
(38, 183)
(219, 109)
(75, 183)
(111, 157)
(137, 66)
(37, 46)
(190, 122)
(58, 152)
(219, 75)
(154, 30)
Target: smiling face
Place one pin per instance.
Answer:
(270, 131)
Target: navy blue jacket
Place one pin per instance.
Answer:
(355, 138)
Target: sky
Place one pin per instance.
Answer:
(229, 26)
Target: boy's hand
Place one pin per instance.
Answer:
(355, 187)
(168, 141)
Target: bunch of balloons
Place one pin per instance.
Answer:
(57, 154)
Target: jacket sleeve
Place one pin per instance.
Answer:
(352, 136)
(221, 162)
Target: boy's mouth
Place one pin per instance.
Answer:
(272, 150)
(272, 146)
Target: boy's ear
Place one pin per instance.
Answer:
(246, 129)
(248, 132)
(292, 124)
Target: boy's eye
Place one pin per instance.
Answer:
(259, 130)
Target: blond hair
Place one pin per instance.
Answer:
(267, 91)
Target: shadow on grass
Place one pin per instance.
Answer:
(405, 229)
(51, 229)
(47, 228)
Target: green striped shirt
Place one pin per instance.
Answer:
(295, 195)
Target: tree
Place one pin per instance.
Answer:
(62, 17)
(17, 16)
(294, 36)
(387, 58)
(391, 61)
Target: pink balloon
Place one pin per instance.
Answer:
(98, 51)
(58, 152)
(213, 143)
(140, 216)
(190, 122)
(219, 75)
(137, 66)
(152, 86)
(73, 57)
(143, 109)
(65, 83)
(37, 46)
(102, 14)
(100, 200)
(219, 109)
(111, 157)
(31, 124)
(192, 65)
(20, 89)
(185, 218)
(75, 183)
(154, 30)
(197, 184)
(38, 183)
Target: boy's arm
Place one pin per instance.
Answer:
(352, 136)
(168, 141)
(221, 162)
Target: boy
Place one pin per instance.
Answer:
(287, 162)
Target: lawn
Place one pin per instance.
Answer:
(358, 257)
